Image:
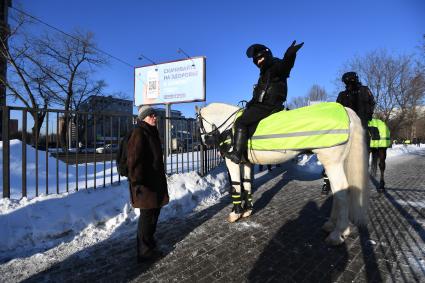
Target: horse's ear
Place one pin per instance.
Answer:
(197, 108)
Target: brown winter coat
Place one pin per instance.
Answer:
(146, 172)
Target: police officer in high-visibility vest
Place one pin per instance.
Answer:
(382, 139)
(268, 96)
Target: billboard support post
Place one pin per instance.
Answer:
(167, 141)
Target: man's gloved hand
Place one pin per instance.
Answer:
(293, 49)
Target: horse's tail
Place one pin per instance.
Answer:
(356, 166)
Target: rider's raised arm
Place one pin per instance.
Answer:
(287, 63)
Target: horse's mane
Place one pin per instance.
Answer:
(219, 113)
(222, 108)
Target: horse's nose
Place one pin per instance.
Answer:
(208, 140)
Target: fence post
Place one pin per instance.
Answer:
(6, 151)
(202, 161)
(167, 137)
(24, 153)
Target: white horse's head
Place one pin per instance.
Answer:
(214, 119)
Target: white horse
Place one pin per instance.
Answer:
(346, 166)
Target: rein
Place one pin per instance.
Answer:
(215, 130)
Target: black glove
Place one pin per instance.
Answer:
(293, 49)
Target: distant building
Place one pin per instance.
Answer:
(183, 129)
(108, 119)
(13, 129)
(175, 119)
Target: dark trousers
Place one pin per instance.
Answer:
(146, 229)
(250, 118)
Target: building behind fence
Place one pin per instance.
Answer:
(76, 150)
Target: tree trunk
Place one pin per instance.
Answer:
(38, 118)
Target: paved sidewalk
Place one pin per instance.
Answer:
(281, 242)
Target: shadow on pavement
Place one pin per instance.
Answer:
(298, 251)
(400, 238)
(116, 256)
(290, 173)
(412, 205)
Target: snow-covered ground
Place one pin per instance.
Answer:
(31, 226)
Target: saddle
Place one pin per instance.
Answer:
(318, 126)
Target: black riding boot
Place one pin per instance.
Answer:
(239, 145)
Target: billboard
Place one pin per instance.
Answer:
(171, 82)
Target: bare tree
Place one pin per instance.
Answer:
(316, 93)
(397, 83)
(297, 102)
(380, 72)
(24, 83)
(51, 69)
(69, 63)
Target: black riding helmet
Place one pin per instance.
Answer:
(257, 51)
(350, 78)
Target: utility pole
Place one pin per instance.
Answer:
(4, 31)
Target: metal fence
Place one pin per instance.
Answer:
(77, 150)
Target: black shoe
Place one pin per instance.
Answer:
(150, 256)
(145, 257)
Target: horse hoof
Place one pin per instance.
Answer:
(233, 217)
(334, 239)
(328, 226)
(247, 213)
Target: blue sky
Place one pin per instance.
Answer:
(333, 32)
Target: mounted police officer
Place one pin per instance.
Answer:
(360, 99)
(357, 97)
(268, 96)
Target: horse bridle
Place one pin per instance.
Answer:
(215, 133)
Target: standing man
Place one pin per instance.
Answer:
(148, 183)
(360, 99)
(268, 96)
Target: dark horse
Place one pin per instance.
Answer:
(378, 153)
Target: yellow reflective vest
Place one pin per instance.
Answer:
(384, 134)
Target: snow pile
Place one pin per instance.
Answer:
(45, 221)
(399, 149)
(103, 174)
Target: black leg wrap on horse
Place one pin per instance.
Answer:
(236, 198)
(237, 201)
(326, 184)
(247, 200)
